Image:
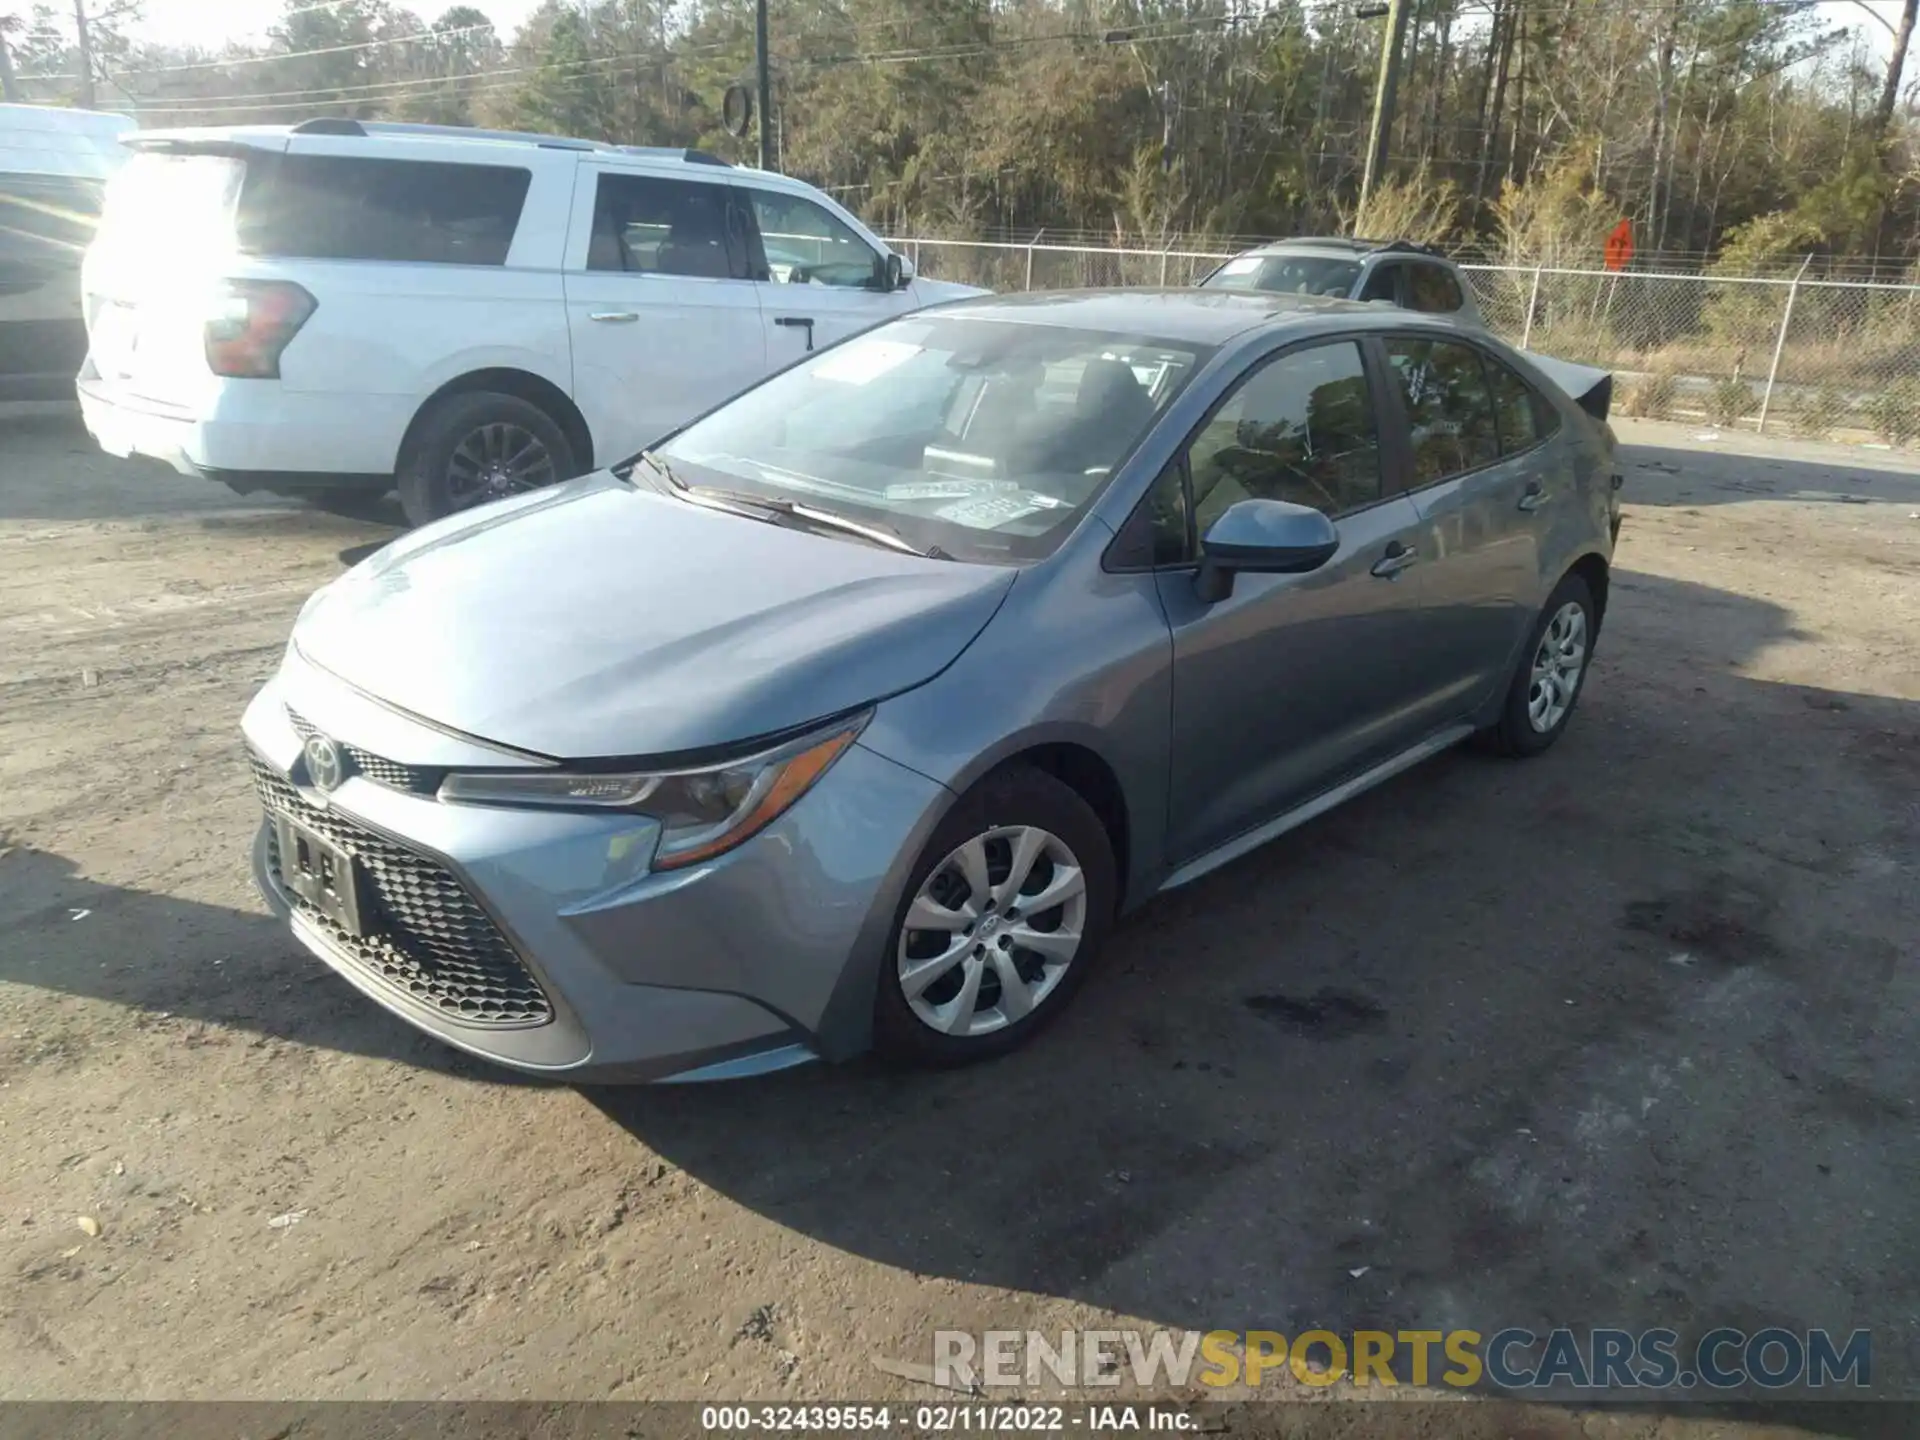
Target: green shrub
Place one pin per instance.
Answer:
(1730, 401)
(1818, 413)
(1651, 398)
(1894, 412)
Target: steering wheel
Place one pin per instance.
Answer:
(1246, 463)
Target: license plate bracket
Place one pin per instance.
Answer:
(322, 874)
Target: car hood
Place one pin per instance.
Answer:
(598, 620)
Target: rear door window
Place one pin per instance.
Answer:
(1449, 406)
(349, 207)
(645, 225)
(1383, 284)
(1433, 289)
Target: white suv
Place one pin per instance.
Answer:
(336, 308)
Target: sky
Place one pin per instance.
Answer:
(212, 23)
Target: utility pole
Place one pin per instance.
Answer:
(87, 101)
(764, 100)
(9, 90)
(1385, 91)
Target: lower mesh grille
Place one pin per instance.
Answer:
(435, 943)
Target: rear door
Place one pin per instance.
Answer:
(46, 223)
(819, 279)
(1476, 477)
(664, 320)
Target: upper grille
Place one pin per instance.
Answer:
(435, 943)
(420, 779)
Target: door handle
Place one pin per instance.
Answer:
(615, 317)
(1397, 558)
(796, 322)
(1533, 497)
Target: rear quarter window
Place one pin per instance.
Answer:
(345, 207)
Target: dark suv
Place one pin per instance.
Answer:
(1399, 272)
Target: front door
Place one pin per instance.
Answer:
(664, 322)
(819, 280)
(1293, 682)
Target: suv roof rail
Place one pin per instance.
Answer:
(336, 125)
(666, 152)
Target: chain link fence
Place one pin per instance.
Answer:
(1824, 359)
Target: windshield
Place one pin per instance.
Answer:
(983, 438)
(1289, 274)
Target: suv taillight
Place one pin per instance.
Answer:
(252, 323)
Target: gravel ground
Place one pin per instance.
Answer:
(1628, 1035)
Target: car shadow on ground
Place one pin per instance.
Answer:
(1661, 475)
(51, 441)
(1616, 1037)
(1619, 1036)
(191, 966)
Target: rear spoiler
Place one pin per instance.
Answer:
(194, 145)
(1592, 390)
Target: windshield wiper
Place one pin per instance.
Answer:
(660, 467)
(778, 507)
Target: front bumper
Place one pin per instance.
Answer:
(765, 957)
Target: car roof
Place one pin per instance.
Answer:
(1347, 247)
(401, 140)
(1185, 315)
(45, 140)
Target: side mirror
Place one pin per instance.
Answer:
(894, 273)
(1262, 537)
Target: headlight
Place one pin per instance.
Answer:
(702, 813)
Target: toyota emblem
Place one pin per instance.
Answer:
(324, 766)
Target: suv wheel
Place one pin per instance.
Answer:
(469, 449)
(1003, 916)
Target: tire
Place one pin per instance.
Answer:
(1531, 720)
(997, 813)
(480, 446)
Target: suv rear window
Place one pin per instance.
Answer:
(344, 207)
(1433, 290)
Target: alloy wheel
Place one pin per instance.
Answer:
(992, 931)
(1557, 667)
(497, 460)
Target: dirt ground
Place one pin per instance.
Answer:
(1628, 1035)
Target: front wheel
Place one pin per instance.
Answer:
(1546, 683)
(1004, 914)
(472, 448)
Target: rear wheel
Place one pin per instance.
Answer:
(472, 448)
(1003, 917)
(1546, 683)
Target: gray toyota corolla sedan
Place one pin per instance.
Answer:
(855, 713)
